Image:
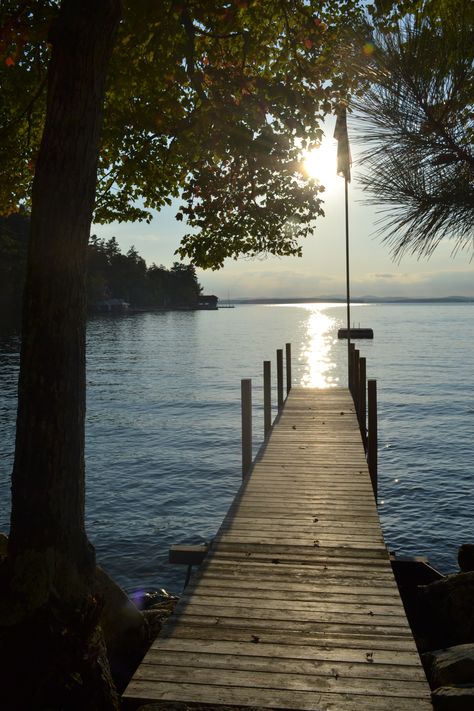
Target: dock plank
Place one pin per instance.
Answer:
(295, 606)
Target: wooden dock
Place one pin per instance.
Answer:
(296, 606)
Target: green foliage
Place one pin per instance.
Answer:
(417, 118)
(214, 100)
(23, 75)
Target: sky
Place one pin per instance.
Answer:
(320, 272)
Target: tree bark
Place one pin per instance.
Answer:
(50, 564)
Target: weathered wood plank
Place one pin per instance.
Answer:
(237, 607)
(280, 663)
(293, 591)
(269, 698)
(404, 660)
(203, 632)
(315, 539)
(325, 628)
(297, 682)
(336, 571)
(363, 557)
(284, 605)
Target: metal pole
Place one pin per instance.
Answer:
(348, 292)
(267, 396)
(246, 395)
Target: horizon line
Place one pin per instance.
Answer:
(368, 298)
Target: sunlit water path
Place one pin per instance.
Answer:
(163, 422)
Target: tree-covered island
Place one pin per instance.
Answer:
(111, 276)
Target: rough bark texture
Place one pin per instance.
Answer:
(50, 565)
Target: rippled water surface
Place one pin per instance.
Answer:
(163, 422)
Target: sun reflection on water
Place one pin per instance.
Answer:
(317, 350)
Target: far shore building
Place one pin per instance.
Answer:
(206, 301)
(112, 305)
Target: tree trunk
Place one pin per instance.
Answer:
(50, 564)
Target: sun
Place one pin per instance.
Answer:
(320, 163)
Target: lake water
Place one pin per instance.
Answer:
(163, 422)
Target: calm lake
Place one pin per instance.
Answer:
(163, 422)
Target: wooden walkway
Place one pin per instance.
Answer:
(296, 606)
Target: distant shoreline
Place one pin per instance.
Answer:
(357, 300)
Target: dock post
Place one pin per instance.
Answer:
(267, 396)
(372, 441)
(355, 379)
(363, 400)
(351, 368)
(280, 378)
(246, 395)
(288, 367)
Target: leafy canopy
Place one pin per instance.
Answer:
(210, 101)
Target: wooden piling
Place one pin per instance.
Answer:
(288, 367)
(246, 395)
(267, 396)
(351, 367)
(355, 379)
(363, 400)
(280, 378)
(372, 434)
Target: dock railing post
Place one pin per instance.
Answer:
(363, 400)
(280, 378)
(351, 367)
(355, 379)
(288, 367)
(372, 439)
(267, 396)
(246, 395)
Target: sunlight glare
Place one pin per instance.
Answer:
(320, 163)
(318, 348)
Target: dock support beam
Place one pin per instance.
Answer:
(372, 438)
(246, 395)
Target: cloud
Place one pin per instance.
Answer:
(385, 276)
(293, 283)
(418, 284)
(268, 283)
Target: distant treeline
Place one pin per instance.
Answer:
(110, 274)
